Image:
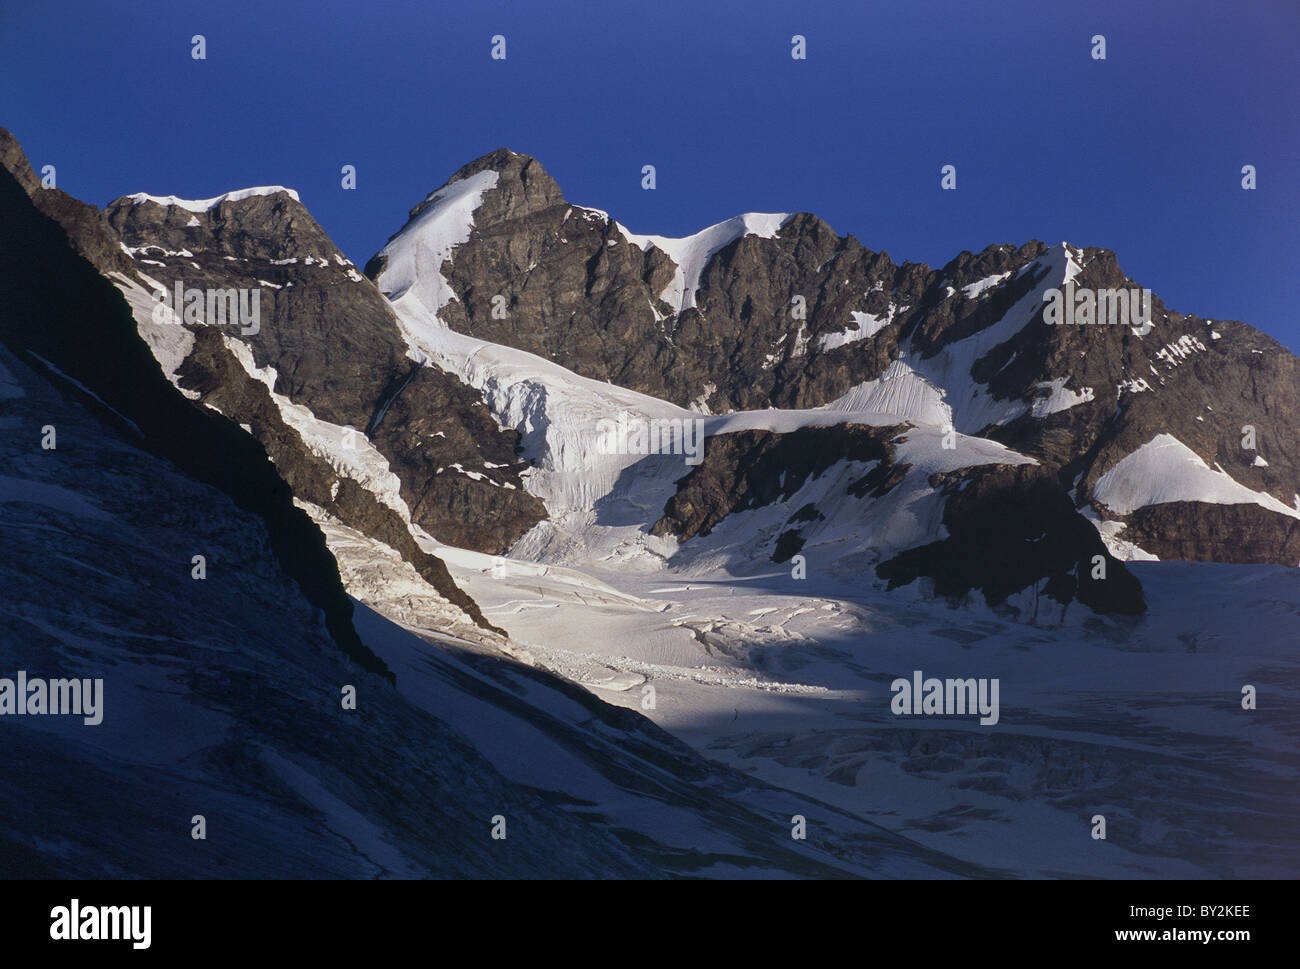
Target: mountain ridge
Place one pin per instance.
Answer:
(1037, 389)
(496, 254)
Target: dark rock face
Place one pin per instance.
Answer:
(444, 436)
(213, 372)
(1010, 528)
(590, 310)
(336, 348)
(1213, 385)
(1199, 531)
(329, 339)
(55, 304)
(579, 293)
(794, 320)
(751, 469)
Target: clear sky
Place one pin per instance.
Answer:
(1140, 153)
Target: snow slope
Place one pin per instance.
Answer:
(692, 253)
(1164, 469)
(416, 255)
(242, 677)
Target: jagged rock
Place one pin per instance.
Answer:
(336, 348)
(751, 469)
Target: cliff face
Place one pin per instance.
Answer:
(335, 348)
(62, 315)
(325, 341)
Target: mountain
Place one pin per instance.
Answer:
(709, 322)
(1140, 432)
(639, 531)
(222, 694)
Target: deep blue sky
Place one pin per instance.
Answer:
(1140, 153)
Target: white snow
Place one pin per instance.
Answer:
(692, 253)
(1174, 353)
(1059, 397)
(137, 250)
(902, 391)
(203, 205)
(1163, 470)
(867, 325)
(170, 343)
(977, 289)
(416, 256)
(940, 390)
(1122, 549)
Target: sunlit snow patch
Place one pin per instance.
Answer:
(1163, 470)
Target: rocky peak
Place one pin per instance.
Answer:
(263, 223)
(522, 186)
(784, 312)
(13, 158)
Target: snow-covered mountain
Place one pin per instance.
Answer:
(734, 484)
(223, 694)
(764, 312)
